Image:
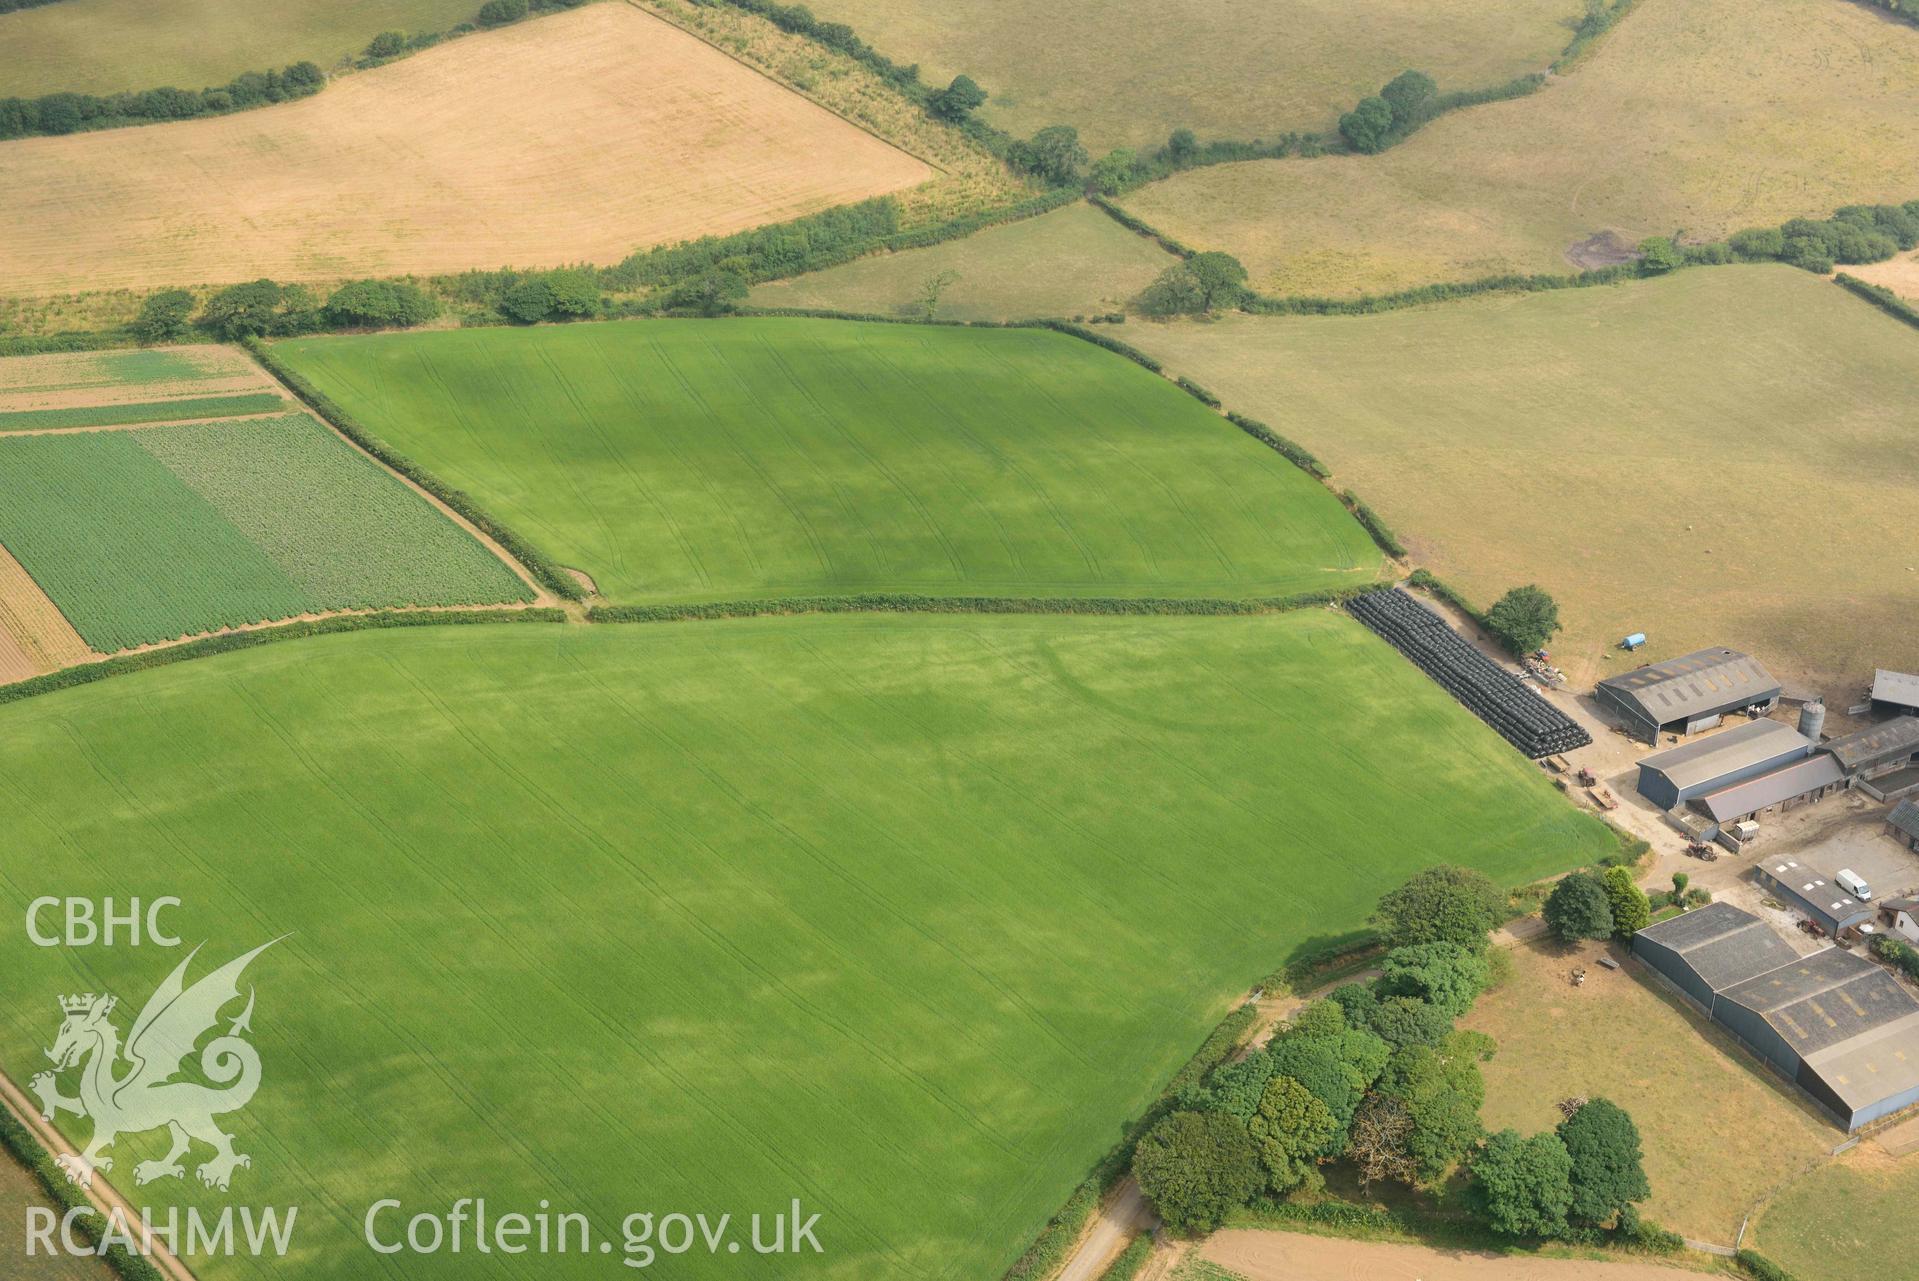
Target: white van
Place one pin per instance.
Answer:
(1854, 884)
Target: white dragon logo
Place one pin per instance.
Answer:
(146, 1097)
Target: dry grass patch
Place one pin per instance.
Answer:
(1844, 1219)
(1719, 1131)
(577, 137)
(1698, 115)
(1713, 459)
(71, 379)
(1129, 72)
(1901, 275)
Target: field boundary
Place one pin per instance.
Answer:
(1879, 296)
(912, 603)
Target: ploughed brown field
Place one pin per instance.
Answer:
(579, 137)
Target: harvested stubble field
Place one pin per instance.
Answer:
(902, 916)
(1701, 116)
(1073, 261)
(1624, 1037)
(146, 536)
(679, 460)
(577, 137)
(1901, 275)
(1129, 72)
(1713, 458)
(110, 46)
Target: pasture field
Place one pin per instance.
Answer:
(1128, 73)
(110, 46)
(578, 137)
(902, 916)
(720, 459)
(150, 535)
(1832, 1223)
(1701, 116)
(1712, 458)
(1623, 1037)
(1072, 261)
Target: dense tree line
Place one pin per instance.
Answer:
(1409, 101)
(1378, 1075)
(9, 6)
(268, 309)
(62, 113)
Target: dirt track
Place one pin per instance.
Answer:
(577, 137)
(1287, 1256)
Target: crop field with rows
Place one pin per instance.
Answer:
(149, 535)
(700, 460)
(903, 916)
(152, 411)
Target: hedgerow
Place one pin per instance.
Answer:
(911, 603)
(11, 6)
(549, 575)
(63, 113)
(1760, 1267)
(1298, 455)
(1113, 345)
(19, 1140)
(1131, 1259)
(1881, 297)
(206, 646)
(1366, 516)
(1442, 292)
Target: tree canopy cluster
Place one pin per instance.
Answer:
(266, 308)
(1588, 906)
(61, 113)
(1585, 1175)
(1406, 102)
(1195, 286)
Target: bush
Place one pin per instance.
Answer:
(1579, 908)
(379, 304)
(497, 13)
(1631, 912)
(388, 44)
(163, 316)
(1760, 1267)
(1899, 953)
(957, 101)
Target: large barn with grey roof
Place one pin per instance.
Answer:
(1842, 1028)
(1688, 694)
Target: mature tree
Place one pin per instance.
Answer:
(497, 13)
(1203, 283)
(163, 316)
(528, 301)
(1234, 1087)
(1195, 1166)
(1337, 1069)
(572, 292)
(1630, 910)
(1607, 1174)
(1658, 255)
(1053, 155)
(1292, 1128)
(1318, 1018)
(380, 304)
(1181, 146)
(1358, 1000)
(1524, 619)
(388, 44)
(1410, 94)
(1579, 908)
(243, 311)
(1369, 126)
(1444, 974)
(714, 291)
(957, 101)
(934, 288)
(1378, 1146)
(1442, 1089)
(1524, 1185)
(1111, 172)
(1401, 1021)
(1443, 904)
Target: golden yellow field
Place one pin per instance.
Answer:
(1700, 116)
(1129, 72)
(579, 137)
(1901, 275)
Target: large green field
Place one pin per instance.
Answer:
(1073, 261)
(901, 916)
(1713, 458)
(148, 535)
(1129, 72)
(700, 460)
(106, 46)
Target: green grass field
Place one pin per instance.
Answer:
(701, 460)
(1129, 72)
(1663, 456)
(903, 916)
(1833, 1222)
(1073, 261)
(149, 535)
(154, 411)
(1698, 116)
(106, 46)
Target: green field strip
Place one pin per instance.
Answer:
(118, 369)
(697, 460)
(153, 411)
(128, 552)
(348, 532)
(903, 916)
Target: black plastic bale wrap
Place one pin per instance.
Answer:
(1487, 690)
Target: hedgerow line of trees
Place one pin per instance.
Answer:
(10, 6)
(65, 113)
(1380, 1077)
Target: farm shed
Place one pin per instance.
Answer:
(1882, 761)
(1799, 783)
(1669, 779)
(1902, 824)
(1895, 692)
(1812, 893)
(1834, 1023)
(1688, 694)
(1902, 914)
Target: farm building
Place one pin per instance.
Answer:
(1883, 760)
(1812, 893)
(1896, 692)
(1671, 778)
(1902, 916)
(1840, 1027)
(1902, 824)
(1688, 694)
(1800, 783)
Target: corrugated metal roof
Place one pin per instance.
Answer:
(1905, 817)
(1896, 737)
(1815, 894)
(1756, 794)
(1873, 1066)
(1698, 683)
(1741, 747)
(1895, 687)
